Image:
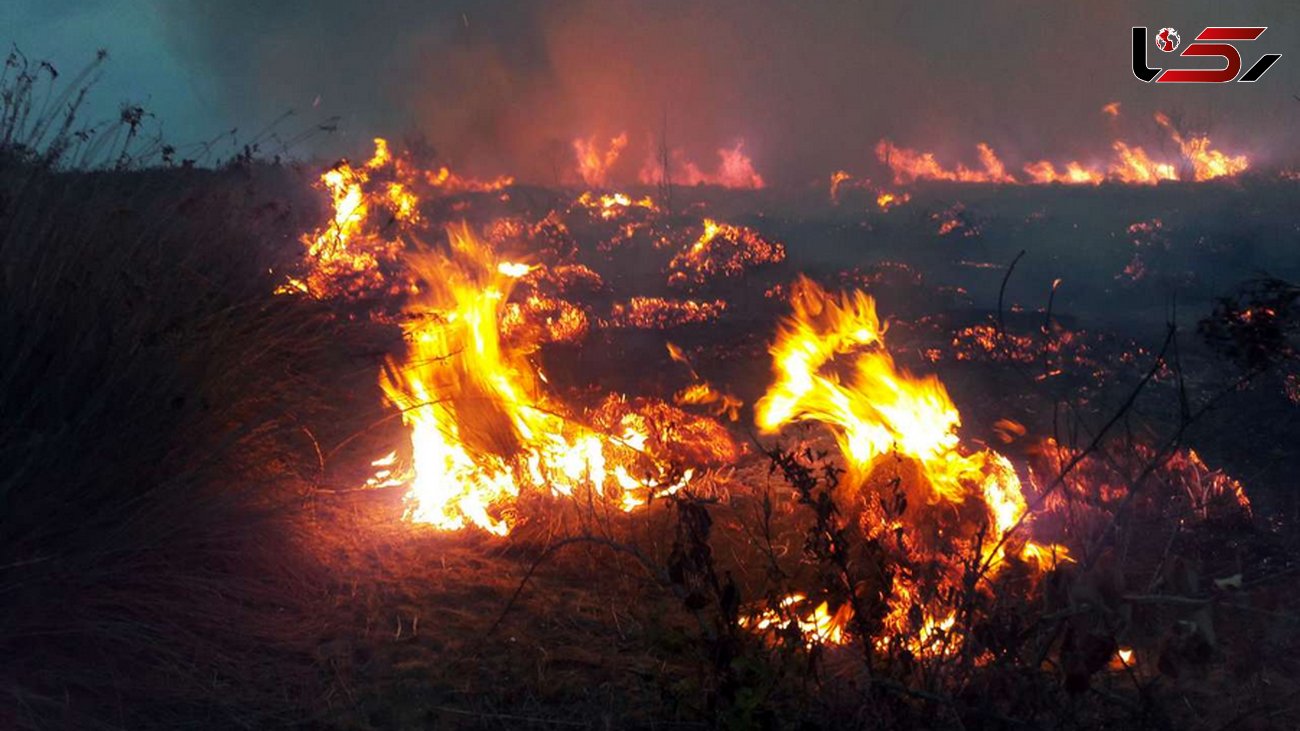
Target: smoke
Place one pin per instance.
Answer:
(506, 85)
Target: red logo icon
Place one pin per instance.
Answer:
(1167, 40)
(1213, 42)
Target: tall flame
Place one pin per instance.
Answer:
(878, 409)
(482, 427)
(735, 170)
(1207, 162)
(593, 164)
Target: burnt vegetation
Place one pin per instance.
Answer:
(187, 542)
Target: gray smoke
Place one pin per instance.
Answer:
(505, 85)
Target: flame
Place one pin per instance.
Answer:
(887, 200)
(614, 205)
(482, 427)
(345, 254)
(1130, 164)
(819, 626)
(449, 182)
(878, 409)
(1123, 659)
(735, 170)
(909, 166)
(703, 393)
(1133, 165)
(658, 313)
(1043, 172)
(722, 250)
(1207, 162)
(594, 165)
(838, 178)
(372, 206)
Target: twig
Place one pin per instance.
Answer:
(1076, 459)
(1191, 601)
(1002, 290)
(320, 457)
(1164, 558)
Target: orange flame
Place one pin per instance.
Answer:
(594, 165)
(1131, 164)
(614, 205)
(702, 393)
(482, 427)
(344, 257)
(1207, 162)
(881, 410)
(1043, 172)
(722, 250)
(887, 200)
(449, 182)
(735, 170)
(909, 166)
(838, 178)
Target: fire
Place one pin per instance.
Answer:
(345, 255)
(1182, 482)
(703, 393)
(887, 200)
(1131, 164)
(374, 205)
(658, 313)
(614, 205)
(449, 182)
(909, 166)
(820, 626)
(838, 178)
(954, 218)
(884, 419)
(735, 170)
(482, 427)
(594, 165)
(1207, 162)
(1043, 172)
(722, 250)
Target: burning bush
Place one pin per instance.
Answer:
(722, 250)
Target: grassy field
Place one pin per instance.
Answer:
(183, 546)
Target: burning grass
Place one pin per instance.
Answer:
(407, 493)
(1131, 164)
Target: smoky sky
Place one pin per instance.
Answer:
(506, 85)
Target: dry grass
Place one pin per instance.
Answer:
(178, 547)
(150, 446)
